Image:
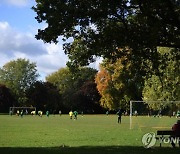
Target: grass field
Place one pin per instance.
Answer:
(88, 134)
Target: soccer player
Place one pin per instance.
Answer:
(135, 113)
(47, 113)
(22, 112)
(10, 113)
(107, 113)
(33, 113)
(26, 112)
(75, 113)
(17, 112)
(119, 113)
(40, 113)
(70, 114)
(60, 112)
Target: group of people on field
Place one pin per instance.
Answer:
(71, 114)
(172, 114)
(19, 113)
(75, 113)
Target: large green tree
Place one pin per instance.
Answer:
(18, 75)
(74, 88)
(165, 86)
(101, 27)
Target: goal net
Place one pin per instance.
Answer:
(17, 110)
(152, 109)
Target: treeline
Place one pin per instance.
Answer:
(63, 90)
(91, 91)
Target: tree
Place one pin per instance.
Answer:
(103, 80)
(72, 87)
(18, 75)
(44, 96)
(101, 27)
(87, 98)
(118, 82)
(62, 78)
(164, 87)
(6, 99)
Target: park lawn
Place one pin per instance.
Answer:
(88, 134)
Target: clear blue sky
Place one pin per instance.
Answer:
(18, 16)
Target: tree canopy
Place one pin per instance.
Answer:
(119, 82)
(44, 96)
(164, 87)
(102, 27)
(18, 75)
(78, 89)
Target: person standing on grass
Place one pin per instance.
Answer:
(119, 113)
(82, 113)
(107, 113)
(40, 113)
(136, 113)
(70, 114)
(26, 112)
(176, 135)
(47, 113)
(60, 112)
(22, 113)
(75, 113)
(10, 113)
(17, 112)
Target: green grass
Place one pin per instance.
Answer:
(88, 134)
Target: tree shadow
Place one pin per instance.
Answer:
(89, 150)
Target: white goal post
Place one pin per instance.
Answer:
(146, 102)
(12, 109)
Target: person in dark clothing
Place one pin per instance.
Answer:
(75, 113)
(176, 135)
(119, 113)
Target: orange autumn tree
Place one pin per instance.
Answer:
(103, 80)
(118, 82)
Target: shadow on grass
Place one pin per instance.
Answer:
(88, 150)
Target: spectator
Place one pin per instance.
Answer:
(176, 134)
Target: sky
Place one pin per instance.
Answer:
(18, 28)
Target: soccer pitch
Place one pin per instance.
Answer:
(87, 134)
